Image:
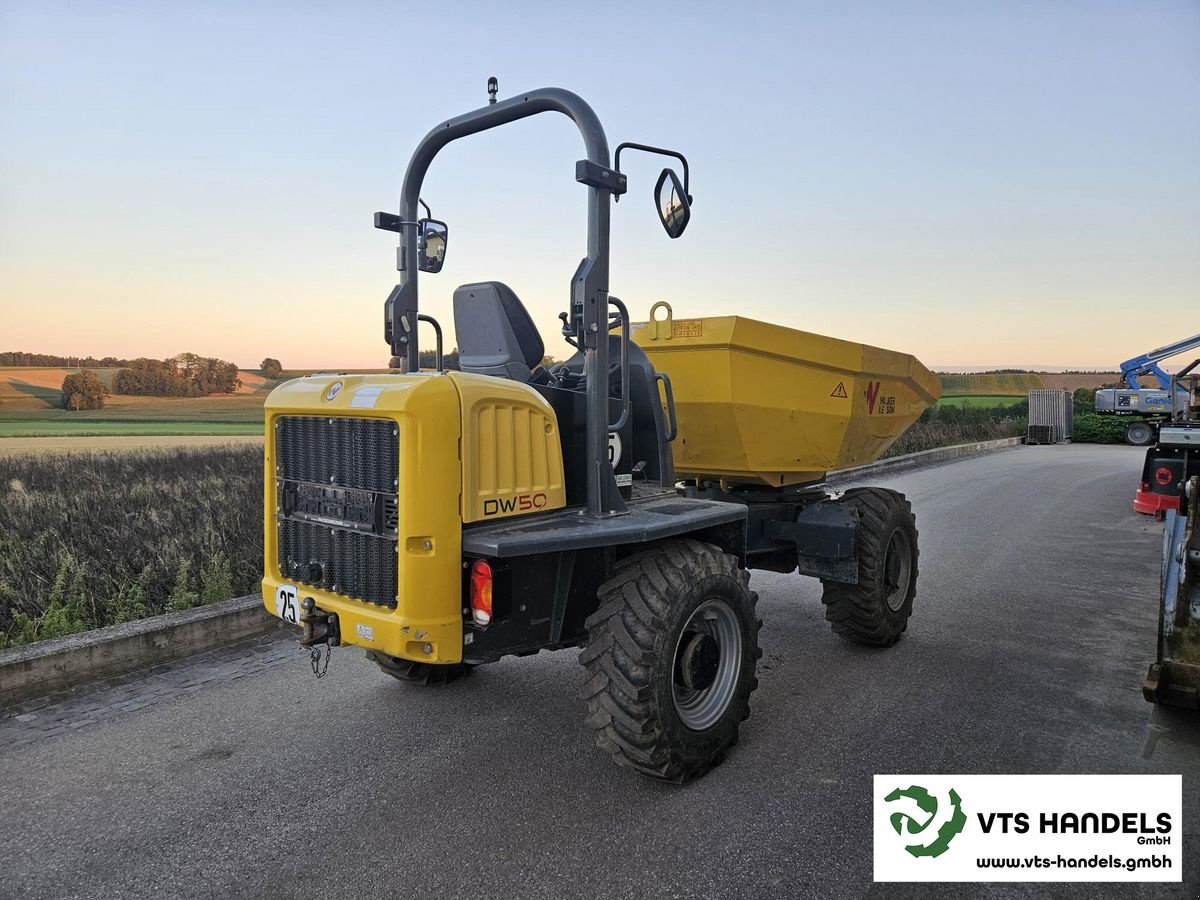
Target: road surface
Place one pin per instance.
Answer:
(237, 774)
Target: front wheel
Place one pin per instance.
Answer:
(1140, 434)
(876, 610)
(670, 659)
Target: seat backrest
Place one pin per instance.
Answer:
(649, 426)
(495, 333)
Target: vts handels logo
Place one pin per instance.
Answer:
(519, 503)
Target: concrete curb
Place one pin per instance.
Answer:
(62, 663)
(924, 458)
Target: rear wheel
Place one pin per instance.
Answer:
(876, 610)
(1140, 434)
(418, 672)
(670, 659)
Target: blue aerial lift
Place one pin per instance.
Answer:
(1147, 406)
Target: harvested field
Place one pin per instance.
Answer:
(253, 382)
(127, 442)
(221, 414)
(37, 388)
(1072, 381)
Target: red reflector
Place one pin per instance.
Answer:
(481, 593)
(1164, 476)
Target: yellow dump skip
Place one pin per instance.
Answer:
(764, 404)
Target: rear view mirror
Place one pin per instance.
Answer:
(674, 205)
(431, 244)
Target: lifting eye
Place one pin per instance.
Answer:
(481, 593)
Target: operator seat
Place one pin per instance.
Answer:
(496, 335)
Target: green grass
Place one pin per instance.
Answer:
(990, 385)
(980, 401)
(234, 414)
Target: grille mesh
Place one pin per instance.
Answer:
(351, 453)
(341, 452)
(355, 565)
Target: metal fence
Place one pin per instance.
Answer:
(1051, 416)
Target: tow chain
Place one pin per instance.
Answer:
(315, 659)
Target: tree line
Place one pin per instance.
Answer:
(49, 360)
(185, 375)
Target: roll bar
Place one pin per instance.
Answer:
(588, 320)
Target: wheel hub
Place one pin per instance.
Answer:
(708, 660)
(897, 569)
(698, 662)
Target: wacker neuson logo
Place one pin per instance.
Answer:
(1028, 828)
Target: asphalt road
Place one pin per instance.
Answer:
(240, 775)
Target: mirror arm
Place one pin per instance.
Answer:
(389, 222)
(646, 148)
(392, 222)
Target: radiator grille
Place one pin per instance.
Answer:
(336, 485)
(352, 453)
(350, 563)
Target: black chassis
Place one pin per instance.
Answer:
(547, 568)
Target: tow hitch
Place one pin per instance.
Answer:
(320, 627)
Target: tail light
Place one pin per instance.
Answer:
(481, 593)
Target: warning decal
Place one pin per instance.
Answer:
(839, 391)
(688, 328)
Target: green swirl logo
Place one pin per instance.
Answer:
(918, 823)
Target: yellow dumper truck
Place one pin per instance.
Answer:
(441, 520)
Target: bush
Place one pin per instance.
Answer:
(930, 435)
(1094, 429)
(83, 390)
(271, 368)
(1083, 401)
(944, 426)
(98, 539)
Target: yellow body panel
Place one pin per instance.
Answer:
(511, 452)
(764, 404)
(427, 412)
